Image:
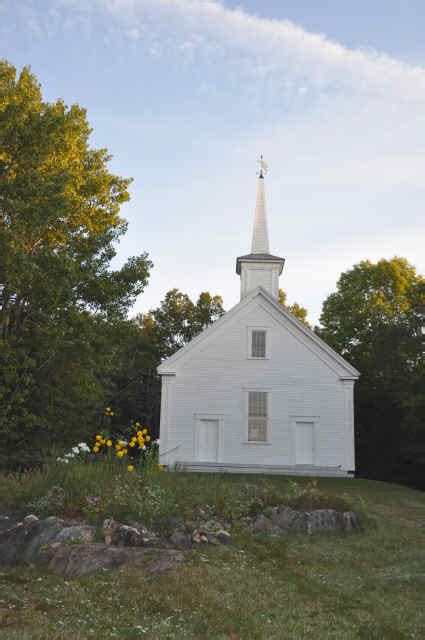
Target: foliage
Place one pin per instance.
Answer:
(297, 310)
(61, 304)
(155, 336)
(177, 320)
(375, 319)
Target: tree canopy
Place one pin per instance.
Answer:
(375, 319)
(59, 296)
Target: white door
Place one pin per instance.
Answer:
(208, 440)
(304, 452)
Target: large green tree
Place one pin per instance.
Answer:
(375, 319)
(61, 304)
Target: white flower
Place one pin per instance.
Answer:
(76, 450)
(157, 441)
(65, 460)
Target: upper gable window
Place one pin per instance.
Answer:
(258, 343)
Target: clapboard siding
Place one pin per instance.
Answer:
(214, 378)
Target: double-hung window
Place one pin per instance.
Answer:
(258, 343)
(257, 416)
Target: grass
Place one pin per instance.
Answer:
(366, 586)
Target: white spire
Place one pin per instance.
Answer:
(260, 236)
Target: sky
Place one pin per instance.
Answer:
(186, 94)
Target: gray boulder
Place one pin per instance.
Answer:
(76, 533)
(123, 535)
(30, 543)
(350, 521)
(223, 537)
(180, 540)
(78, 560)
(283, 517)
(262, 524)
(322, 520)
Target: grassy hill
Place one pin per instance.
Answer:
(368, 585)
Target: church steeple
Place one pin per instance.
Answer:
(260, 235)
(260, 268)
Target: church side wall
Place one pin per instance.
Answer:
(214, 381)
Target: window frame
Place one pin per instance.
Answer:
(250, 331)
(246, 421)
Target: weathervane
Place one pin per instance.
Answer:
(264, 167)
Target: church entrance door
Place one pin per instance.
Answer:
(304, 443)
(208, 440)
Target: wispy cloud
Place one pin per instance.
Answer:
(281, 45)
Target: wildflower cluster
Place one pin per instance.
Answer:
(121, 447)
(109, 412)
(78, 450)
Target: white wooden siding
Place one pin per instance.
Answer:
(214, 378)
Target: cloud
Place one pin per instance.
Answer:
(281, 45)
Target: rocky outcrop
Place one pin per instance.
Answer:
(68, 549)
(79, 560)
(283, 519)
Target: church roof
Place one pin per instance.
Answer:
(301, 332)
(258, 257)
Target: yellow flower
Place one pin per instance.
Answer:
(144, 431)
(130, 467)
(117, 446)
(139, 434)
(103, 441)
(137, 424)
(148, 438)
(111, 413)
(132, 444)
(124, 452)
(98, 437)
(120, 454)
(108, 443)
(95, 449)
(108, 409)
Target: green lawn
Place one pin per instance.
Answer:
(368, 586)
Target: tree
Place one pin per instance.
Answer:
(60, 301)
(375, 319)
(177, 320)
(157, 335)
(299, 312)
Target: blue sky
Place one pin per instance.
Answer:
(186, 94)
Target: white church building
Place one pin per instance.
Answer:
(257, 391)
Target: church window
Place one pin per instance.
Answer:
(257, 416)
(258, 343)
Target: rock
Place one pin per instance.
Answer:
(30, 518)
(29, 543)
(224, 537)
(262, 524)
(76, 533)
(123, 535)
(350, 521)
(299, 524)
(322, 520)
(82, 559)
(196, 537)
(180, 540)
(284, 516)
